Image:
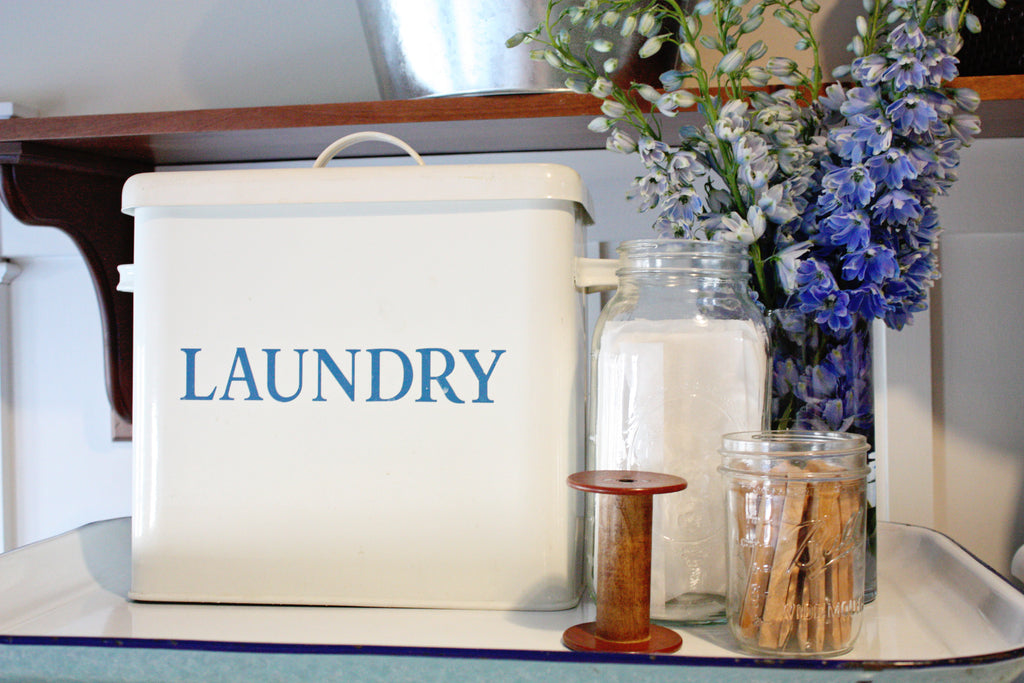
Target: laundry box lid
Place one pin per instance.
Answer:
(344, 185)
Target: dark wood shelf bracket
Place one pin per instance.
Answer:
(80, 194)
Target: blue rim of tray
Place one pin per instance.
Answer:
(260, 648)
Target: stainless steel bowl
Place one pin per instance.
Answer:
(432, 48)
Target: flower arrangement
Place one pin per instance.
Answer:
(832, 188)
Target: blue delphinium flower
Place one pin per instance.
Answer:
(897, 206)
(891, 168)
(906, 72)
(875, 264)
(912, 113)
(851, 185)
(848, 229)
(895, 152)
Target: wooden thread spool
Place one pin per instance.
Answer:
(623, 622)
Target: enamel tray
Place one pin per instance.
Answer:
(940, 615)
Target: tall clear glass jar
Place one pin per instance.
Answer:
(679, 357)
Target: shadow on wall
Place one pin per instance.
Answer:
(277, 52)
(979, 411)
(837, 28)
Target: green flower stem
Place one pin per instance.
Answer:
(875, 24)
(760, 278)
(698, 71)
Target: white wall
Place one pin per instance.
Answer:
(957, 461)
(978, 360)
(111, 56)
(62, 467)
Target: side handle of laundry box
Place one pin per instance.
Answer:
(595, 274)
(363, 136)
(127, 281)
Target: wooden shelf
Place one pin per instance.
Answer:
(67, 172)
(433, 126)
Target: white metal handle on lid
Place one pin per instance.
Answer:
(366, 136)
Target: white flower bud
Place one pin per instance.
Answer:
(684, 99)
(841, 71)
(786, 18)
(553, 59)
(648, 25)
(966, 99)
(950, 20)
(610, 65)
(613, 109)
(666, 105)
(751, 24)
(577, 85)
(755, 218)
(602, 88)
(516, 39)
(628, 26)
(730, 62)
(620, 142)
(862, 26)
(651, 46)
(781, 66)
(599, 125)
(688, 54)
(610, 18)
(758, 76)
(602, 45)
(704, 8)
(648, 93)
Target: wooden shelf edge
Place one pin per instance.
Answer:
(485, 124)
(994, 87)
(380, 112)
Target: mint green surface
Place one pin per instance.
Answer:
(84, 664)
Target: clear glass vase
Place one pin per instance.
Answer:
(823, 381)
(679, 358)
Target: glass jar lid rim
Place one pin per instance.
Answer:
(798, 472)
(793, 442)
(680, 245)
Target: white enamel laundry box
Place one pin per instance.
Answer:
(358, 386)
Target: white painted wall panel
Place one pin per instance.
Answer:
(980, 460)
(64, 469)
